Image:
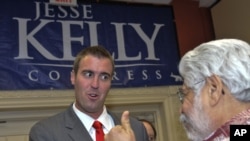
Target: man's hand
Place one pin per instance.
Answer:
(121, 132)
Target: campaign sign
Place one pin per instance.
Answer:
(39, 41)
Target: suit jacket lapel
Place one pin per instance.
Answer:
(74, 127)
(117, 121)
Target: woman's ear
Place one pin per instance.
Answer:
(215, 89)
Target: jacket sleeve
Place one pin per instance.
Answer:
(39, 133)
(139, 130)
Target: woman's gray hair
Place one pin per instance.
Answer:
(227, 58)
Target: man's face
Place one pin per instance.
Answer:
(92, 83)
(195, 120)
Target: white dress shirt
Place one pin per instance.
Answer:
(88, 121)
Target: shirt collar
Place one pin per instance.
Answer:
(88, 121)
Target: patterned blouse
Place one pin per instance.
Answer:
(223, 133)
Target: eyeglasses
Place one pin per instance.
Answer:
(182, 94)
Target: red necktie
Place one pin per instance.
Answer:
(98, 131)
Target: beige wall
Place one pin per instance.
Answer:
(231, 19)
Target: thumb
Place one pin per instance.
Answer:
(125, 121)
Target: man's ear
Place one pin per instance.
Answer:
(215, 89)
(72, 77)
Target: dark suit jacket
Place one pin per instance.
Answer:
(66, 126)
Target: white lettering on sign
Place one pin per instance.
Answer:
(45, 16)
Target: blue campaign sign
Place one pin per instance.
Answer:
(39, 42)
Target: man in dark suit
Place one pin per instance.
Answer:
(91, 76)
